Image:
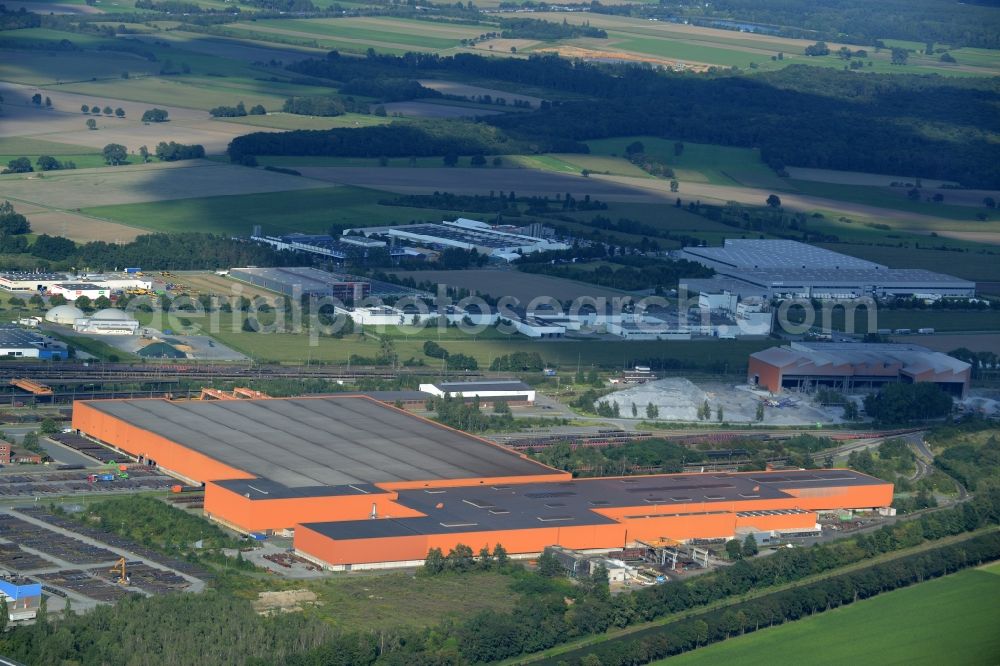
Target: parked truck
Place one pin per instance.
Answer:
(925, 331)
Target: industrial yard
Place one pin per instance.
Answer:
(74, 562)
(677, 399)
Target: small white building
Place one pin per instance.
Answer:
(630, 330)
(74, 290)
(513, 390)
(30, 282)
(108, 321)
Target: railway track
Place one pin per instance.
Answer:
(125, 372)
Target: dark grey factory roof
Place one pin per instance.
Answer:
(572, 503)
(267, 489)
(322, 441)
(11, 337)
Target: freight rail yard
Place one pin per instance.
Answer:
(361, 484)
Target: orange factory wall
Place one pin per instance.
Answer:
(139, 442)
(261, 515)
(777, 521)
(769, 377)
(583, 537)
(844, 497)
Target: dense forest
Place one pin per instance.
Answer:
(856, 21)
(399, 139)
(902, 124)
(546, 30)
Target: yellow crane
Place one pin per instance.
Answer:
(119, 568)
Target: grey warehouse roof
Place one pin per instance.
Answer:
(322, 441)
(750, 253)
(309, 280)
(17, 338)
(497, 385)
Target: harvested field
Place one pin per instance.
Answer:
(429, 110)
(466, 90)
(985, 237)
(208, 283)
(857, 177)
(524, 182)
(291, 121)
(80, 228)
(523, 286)
(65, 125)
(504, 46)
(237, 49)
(146, 182)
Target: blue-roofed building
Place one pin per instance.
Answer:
(23, 598)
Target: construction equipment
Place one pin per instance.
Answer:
(119, 568)
(31, 386)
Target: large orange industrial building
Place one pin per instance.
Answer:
(364, 484)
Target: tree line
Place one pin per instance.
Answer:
(548, 31)
(398, 139)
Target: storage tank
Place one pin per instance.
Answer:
(64, 314)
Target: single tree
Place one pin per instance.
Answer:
(120, 112)
(84, 303)
(750, 546)
(85, 108)
(774, 201)
(451, 159)
(500, 556)
(549, 566)
(91, 124)
(144, 153)
(155, 116)
(734, 550)
(115, 154)
(434, 564)
(48, 103)
(47, 163)
(36, 99)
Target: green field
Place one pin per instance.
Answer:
(415, 35)
(14, 147)
(315, 211)
(892, 198)
(980, 264)
(951, 620)
(699, 162)
(395, 600)
(297, 348)
(196, 92)
(290, 121)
